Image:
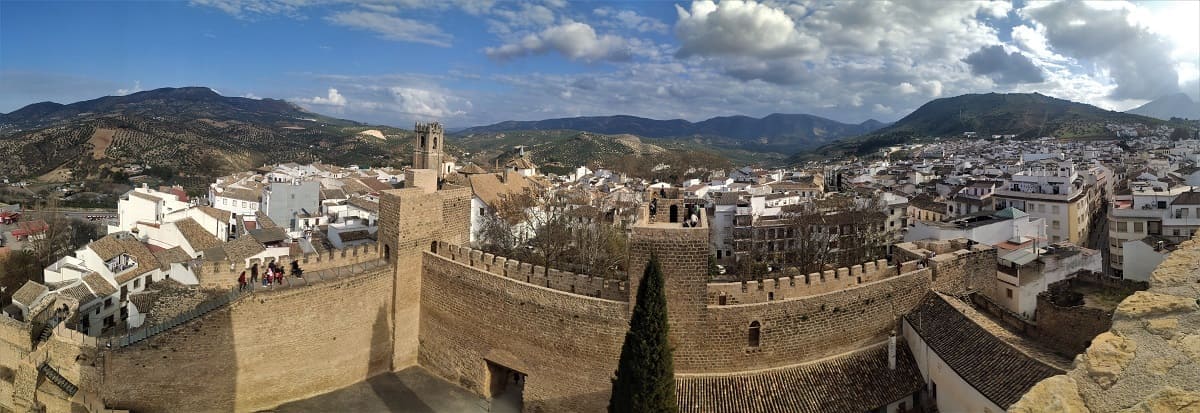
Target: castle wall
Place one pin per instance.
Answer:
(581, 284)
(224, 274)
(410, 220)
(961, 271)
(683, 257)
(567, 344)
(456, 214)
(262, 350)
(794, 285)
(807, 328)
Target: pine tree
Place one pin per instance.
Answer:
(645, 380)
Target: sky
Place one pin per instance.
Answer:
(475, 62)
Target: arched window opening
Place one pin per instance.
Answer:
(387, 253)
(755, 333)
(433, 247)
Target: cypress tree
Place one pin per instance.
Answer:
(645, 379)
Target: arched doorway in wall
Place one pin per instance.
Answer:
(387, 253)
(755, 334)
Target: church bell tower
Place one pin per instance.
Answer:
(428, 147)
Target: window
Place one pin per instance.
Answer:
(1056, 224)
(933, 390)
(1008, 292)
(107, 303)
(755, 333)
(1054, 209)
(1041, 207)
(137, 282)
(1138, 227)
(482, 211)
(1057, 238)
(770, 296)
(1122, 227)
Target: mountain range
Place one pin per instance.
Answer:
(191, 132)
(784, 133)
(1025, 115)
(1177, 105)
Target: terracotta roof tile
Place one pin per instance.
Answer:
(29, 292)
(195, 234)
(856, 382)
(990, 365)
(490, 188)
(99, 285)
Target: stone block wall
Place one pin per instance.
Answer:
(410, 221)
(224, 274)
(963, 271)
(683, 257)
(794, 285)
(456, 214)
(267, 348)
(1068, 330)
(567, 345)
(581, 284)
(811, 327)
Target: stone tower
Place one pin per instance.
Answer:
(666, 227)
(427, 151)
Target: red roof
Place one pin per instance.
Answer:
(9, 214)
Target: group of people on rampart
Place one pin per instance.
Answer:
(272, 276)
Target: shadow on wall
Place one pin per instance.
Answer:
(387, 389)
(170, 372)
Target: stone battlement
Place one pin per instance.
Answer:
(224, 274)
(795, 285)
(581, 284)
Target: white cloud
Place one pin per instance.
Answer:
(1114, 38)
(629, 20)
(333, 99)
(574, 40)
(137, 87)
(424, 103)
(739, 28)
(392, 28)
(250, 95)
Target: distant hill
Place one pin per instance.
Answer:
(773, 133)
(561, 151)
(190, 134)
(1177, 105)
(1027, 115)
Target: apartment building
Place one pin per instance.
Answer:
(1055, 191)
(1151, 208)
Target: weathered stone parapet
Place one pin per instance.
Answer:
(1148, 362)
(566, 281)
(794, 285)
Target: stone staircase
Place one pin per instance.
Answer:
(58, 379)
(48, 330)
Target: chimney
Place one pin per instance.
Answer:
(892, 350)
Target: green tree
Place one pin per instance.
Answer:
(645, 379)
